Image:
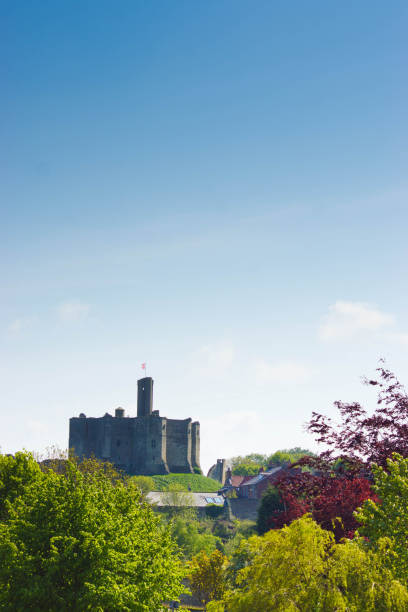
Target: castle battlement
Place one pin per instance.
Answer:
(145, 444)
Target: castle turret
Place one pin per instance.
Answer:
(195, 446)
(144, 396)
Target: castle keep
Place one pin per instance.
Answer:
(145, 444)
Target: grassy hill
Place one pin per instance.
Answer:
(197, 482)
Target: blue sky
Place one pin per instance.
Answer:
(216, 188)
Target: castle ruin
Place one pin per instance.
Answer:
(145, 444)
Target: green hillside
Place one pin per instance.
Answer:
(197, 482)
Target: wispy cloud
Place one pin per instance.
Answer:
(73, 310)
(213, 359)
(20, 324)
(399, 337)
(283, 372)
(347, 319)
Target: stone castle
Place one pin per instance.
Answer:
(145, 444)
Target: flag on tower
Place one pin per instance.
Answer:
(143, 366)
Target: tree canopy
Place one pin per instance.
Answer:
(80, 540)
(385, 523)
(249, 465)
(339, 480)
(300, 567)
(364, 438)
(206, 575)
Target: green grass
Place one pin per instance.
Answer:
(197, 482)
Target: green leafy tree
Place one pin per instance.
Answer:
(249, 465)
(215, 606)
(389, 517)
(16, 473)
(214, 510)
(177, 499)
(271, 502)
(192, 537)
(145, 484)
(206, 576)
(301, 568)
(290, 455)
(83, 541)
(246, 469)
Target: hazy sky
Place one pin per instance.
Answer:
(217, 188)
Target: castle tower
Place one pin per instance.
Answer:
(145, 444)
(144, 396)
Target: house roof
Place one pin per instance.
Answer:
(189, 499)
(236, 480)
(256, 479)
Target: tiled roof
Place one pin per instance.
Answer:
(245, 480)
(254, 480)
(236, 480)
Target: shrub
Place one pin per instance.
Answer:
(144, 483)
(214, 511)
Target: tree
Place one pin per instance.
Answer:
(16, 473)
(271, 505)
(192, 538)
(145, 484)
(206, 576)
(176, 498)
(362, 438)
(251, 464)
(332, 500)
(82, 540)
(334, 509)
(388, 518)
(300, 567)
(290, 498)
(255, 458)
(246, 468)
(288, 455)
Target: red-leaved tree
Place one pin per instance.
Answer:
(334, 508)
(330, 499)
(362, 438)
(340, 477)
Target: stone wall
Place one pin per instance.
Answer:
(218, 471)
(178, 442)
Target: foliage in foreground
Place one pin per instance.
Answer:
(388, 519)
(300, 567)
(197, 482)
(340, 478)
(80, 540)
(330, 498)
(206, 576)
(365, 438)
